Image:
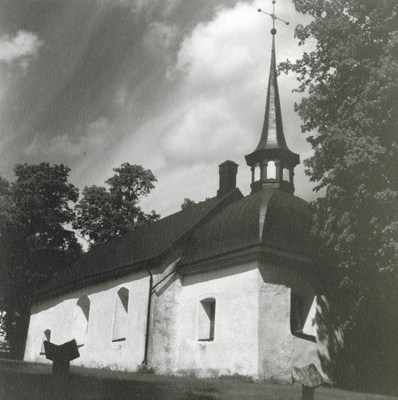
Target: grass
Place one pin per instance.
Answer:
(20, 381)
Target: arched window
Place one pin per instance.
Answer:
(46, 336)
(299, 313)
(121, 313)
(286, 175)
(296, 313)
(207, 319)
(271, 170)
(80, 320)
(257, 173)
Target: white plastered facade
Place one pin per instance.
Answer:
(252, 335)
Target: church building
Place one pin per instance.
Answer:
(226, 286)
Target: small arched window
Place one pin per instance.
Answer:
(46, 337)
(257, 172)
(271, 170)
(80, 320)
(207, 319)
(299, 312)
(296, 313)
(120, 319)
(286, 175)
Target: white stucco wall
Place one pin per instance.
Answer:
(98, 350)
(165, 326)
(252, 333)
(279, 349)
(235, 345)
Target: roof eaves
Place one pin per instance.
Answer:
(243, 255)
(226, 200)
(142, 263)
(91, 280)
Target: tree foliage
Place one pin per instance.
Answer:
(351, 81)
(187, 203)
(34, 242)
(105, 214)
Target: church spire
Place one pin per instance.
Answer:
(272, 157)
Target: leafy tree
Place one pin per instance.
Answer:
(105, 214)
(34, 242)
(351, 80)
(187, 203)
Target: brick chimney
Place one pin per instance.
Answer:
(227, 171)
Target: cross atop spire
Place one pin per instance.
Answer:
(272, 147)
(274, 17)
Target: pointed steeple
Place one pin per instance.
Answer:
(272, 156)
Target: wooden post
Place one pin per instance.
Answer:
(307, 393)
(310, 379)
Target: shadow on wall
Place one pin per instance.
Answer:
(361, 336)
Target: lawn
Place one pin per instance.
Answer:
(29, 381)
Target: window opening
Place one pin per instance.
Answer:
(298, 316)
(271, 170)
(121, 315)
(206, 322)
(286, 175)
(80, 320)
(257, 172)
(46, 336)
(296, 313)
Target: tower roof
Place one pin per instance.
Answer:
(271, 222)
(272, 142)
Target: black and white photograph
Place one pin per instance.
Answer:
(198, 199)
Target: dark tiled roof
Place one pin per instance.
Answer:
(271, 218)
(139, 246)
(235, 227)
(287, 225)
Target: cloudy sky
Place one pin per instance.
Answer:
(177, 86)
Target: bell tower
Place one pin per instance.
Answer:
(272, 163)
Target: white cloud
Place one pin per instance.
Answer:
(21, 48)
(93, 141)
(147, 7)
(121, 95)
(215, 110)
(222, 63)
(221, 50)
(160, 37)
(166, 7)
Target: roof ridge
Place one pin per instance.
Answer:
(139, 246)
